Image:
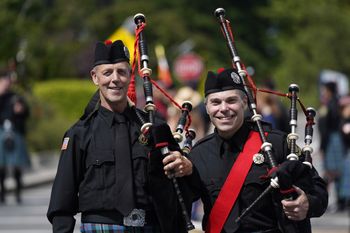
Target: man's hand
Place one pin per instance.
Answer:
(297, 209)
(176, 164)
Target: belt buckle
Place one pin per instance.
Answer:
(136, 218)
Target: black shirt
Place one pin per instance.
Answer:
(104, 138)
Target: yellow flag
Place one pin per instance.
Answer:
(126, 34)
(163, 66)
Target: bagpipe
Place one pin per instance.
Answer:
(283, 176)
(159, 136)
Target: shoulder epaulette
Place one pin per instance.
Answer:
(88, 117)
(204, 139)
(266, 125)
(92, 106)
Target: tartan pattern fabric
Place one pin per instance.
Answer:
(338, 159)
(345, 181)
(111, 228)
(334, 153)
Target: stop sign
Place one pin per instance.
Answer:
(188, 67)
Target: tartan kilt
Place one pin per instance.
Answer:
(111, 228)
(16, 157)
(334, 154)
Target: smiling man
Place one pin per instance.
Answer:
(105, 172)
(233, 169)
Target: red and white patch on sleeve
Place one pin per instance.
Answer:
(65, 143)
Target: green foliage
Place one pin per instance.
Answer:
(47, 134)
(310, 36)
(66, 98)
(55, 106)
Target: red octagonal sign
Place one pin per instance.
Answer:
(188, 67)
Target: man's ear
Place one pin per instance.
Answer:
(94, 76)
(245, 101)
(206, 107)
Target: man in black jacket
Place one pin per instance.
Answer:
(117, 183)
(233, 169)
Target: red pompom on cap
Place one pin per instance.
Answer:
(220, 70)
(108, 42)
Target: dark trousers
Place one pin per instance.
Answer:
(17, 173)
(2, 184)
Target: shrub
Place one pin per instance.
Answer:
(55, 106)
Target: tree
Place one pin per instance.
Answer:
(310, 36)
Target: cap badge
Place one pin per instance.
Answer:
(126, 51)
(235, 78)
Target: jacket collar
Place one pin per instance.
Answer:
(237, 141)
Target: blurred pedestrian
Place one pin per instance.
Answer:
(161, 102)
(14, 112)
(271, 108)
(331, 142)
(344, 189)
(191, 95)
(105, 172)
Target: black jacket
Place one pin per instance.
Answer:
(212, 165)
(18, 120)
(82, 185)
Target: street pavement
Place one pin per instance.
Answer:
(30, 215)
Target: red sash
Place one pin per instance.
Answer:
(233, 184)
